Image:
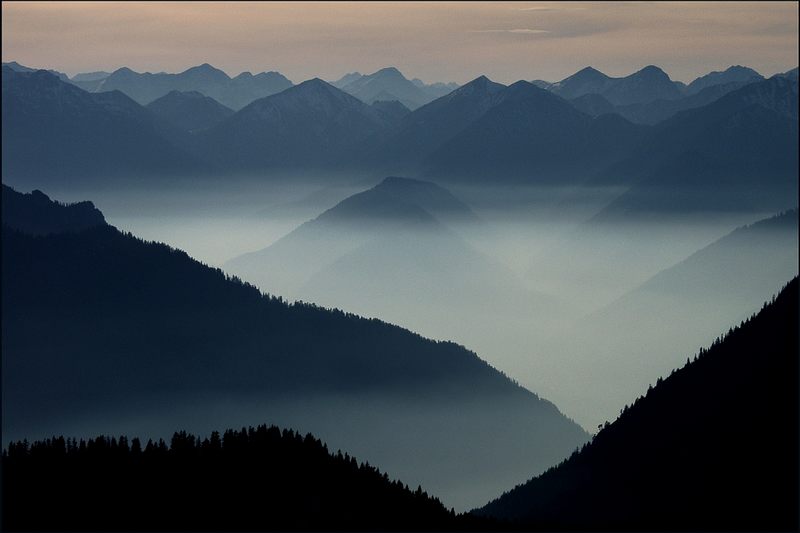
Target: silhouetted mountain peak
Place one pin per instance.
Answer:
(588, 73)
(389, 72)
(315, 88)
(651, 71)
(523, 90)
(481, 84)
(123, 71)
(205, 72)
(735, 73)
(399, 199)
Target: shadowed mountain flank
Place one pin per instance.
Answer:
(141, 336)
(679, 456)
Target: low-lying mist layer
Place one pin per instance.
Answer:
(568, 305)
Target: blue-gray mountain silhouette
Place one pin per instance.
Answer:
(648, 84)
(389, 81)
(234, 92)
(100, 326)
(424, 130)
(436, 89)
(391, 110)
(347, 78)
(592, 104)
(189, 111)
(311, 125)
(736, 73)
(52, 130)
(659, 110)
(532, 135)
(13, 65)
(712, 447)
(738, 152)
(478, 132)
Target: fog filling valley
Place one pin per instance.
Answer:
(584, 312)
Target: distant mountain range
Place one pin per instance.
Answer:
(234, 93)
(103, 331)
(738, 152)
(734, 74)
(54, 131)
(647, 96)
(390, 84)
(650, 83)
(712, 447)
(531, 135)
(731, 142)
(311, 125)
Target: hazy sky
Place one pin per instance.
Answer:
(432, 41)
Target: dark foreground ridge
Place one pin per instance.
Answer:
(255, 479)
(713, 447)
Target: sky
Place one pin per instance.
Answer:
(447, 41)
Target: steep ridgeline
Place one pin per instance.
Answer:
(189, 111)
(733, 267)
(650, 83)
(105, 333)
(36, 214)
(531, 135)
(739, 152)
(424, 130)
(53, 131)
(678, 309)
(712, 447)
(312, 125)
(255, 479)
(13, 65)
(234, 93)
(391, 110)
